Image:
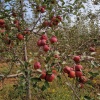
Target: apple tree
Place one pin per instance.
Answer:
(30, 36)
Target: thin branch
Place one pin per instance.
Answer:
(69, 84)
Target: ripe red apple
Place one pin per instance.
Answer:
(53, 19)
(43, 42)
(45, 24)
(14, 14)
(44, 36)
(54, 72)
(42, 10)
(77, 59)
(50, 24)
(50, 77)
(53, 39)
(55, 23)
(56, 56)
(26, 32)
(43, 75)
(59, 18)
(37, 65)
(39, 43)
(83, 79)
(2, 31)
(81, 85)
(16, 22)
(71, 68)
(66, 69)
(71, 74)
(92, 49)
(46, 48)
(78, 67)
(2, 21)
(78, 73)
(20, 36)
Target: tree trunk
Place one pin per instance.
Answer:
(28, 87)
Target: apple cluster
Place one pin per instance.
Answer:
(41, 9)
(76, 71)
(43, 42)
(54, 21)
(20, 36)
(44, 75)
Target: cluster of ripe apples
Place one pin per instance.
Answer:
(42, 42)
(44, 74)
(76, 71)
(21, 36)
(54, 21)
(41, 9)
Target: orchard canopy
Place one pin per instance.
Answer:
(49, 49)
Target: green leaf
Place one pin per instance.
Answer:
(59, 77)
(7, 0)
(47, 59)
(93, 74)
(88, 98)
(45, 86)
(35, 80)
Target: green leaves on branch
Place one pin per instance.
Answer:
(45, 86)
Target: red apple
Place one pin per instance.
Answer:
(39, 43)
(66, 69)
(50, 77)
(37, 65)
(42, 10)
(78, 67)
(59, 18)
(71, 68)
(50, 24)
(2, 21)
(53, 39)
(45, 24)
(14, 14)
(20, 36)
(54, 72)
(46, 48)
(71, 74)
(56, 56)
(43, 42)
(76, 59)
(26, 32)
(44, 36)
(53, 19)
(81, 85)
(2, 25)
(43, 75)
(16, 22)
(83, 79)
(92, 49)
(78, 73)
(55, 23)
(2, 31)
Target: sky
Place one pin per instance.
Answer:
(88, 6)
